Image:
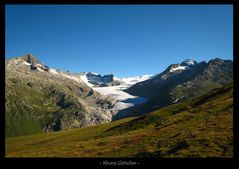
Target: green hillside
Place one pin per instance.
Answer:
(200, 127)
(39, 101)
(172, 87)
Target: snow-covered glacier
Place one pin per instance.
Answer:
(117, 94)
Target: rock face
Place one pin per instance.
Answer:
(181, 81)
(41, 99)
(101, 81)
(29, 58)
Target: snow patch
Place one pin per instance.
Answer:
(53, 71)
(40, 70)
(94, 73)
(85, 80)
(177, 99)
(26, 63)
(120, 106)
(137, 79)
(190, 62)
(178, 68)
(116, 78)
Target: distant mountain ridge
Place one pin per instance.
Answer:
(41, 99)
(180, 82)
(184, 75)
(98, 80)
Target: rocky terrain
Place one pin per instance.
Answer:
(43, 99)
(39, 99)
(101, 81)
(201, 127)
(178, 83)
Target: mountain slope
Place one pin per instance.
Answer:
(199, 127)
(97, 80)
(41, 99)
(178, 83)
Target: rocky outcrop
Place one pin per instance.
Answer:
(41, 100)
(180, 82)
(102, 81)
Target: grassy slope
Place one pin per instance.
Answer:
(40, 101)
(201, 127)
(189, 83)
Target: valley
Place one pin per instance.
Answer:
(184, 111)
(121, 98)
(48, 99)
(122, 81)
(200, 127)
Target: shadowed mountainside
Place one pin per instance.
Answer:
(199, 127)
(178, 83)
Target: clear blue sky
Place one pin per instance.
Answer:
(125, 40)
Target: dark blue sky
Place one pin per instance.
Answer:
(125, 40)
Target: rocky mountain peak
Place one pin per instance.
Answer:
(99, 80)
(188, 62)
(31, 59)
(216, 61)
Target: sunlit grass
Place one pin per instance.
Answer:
(197, 128)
